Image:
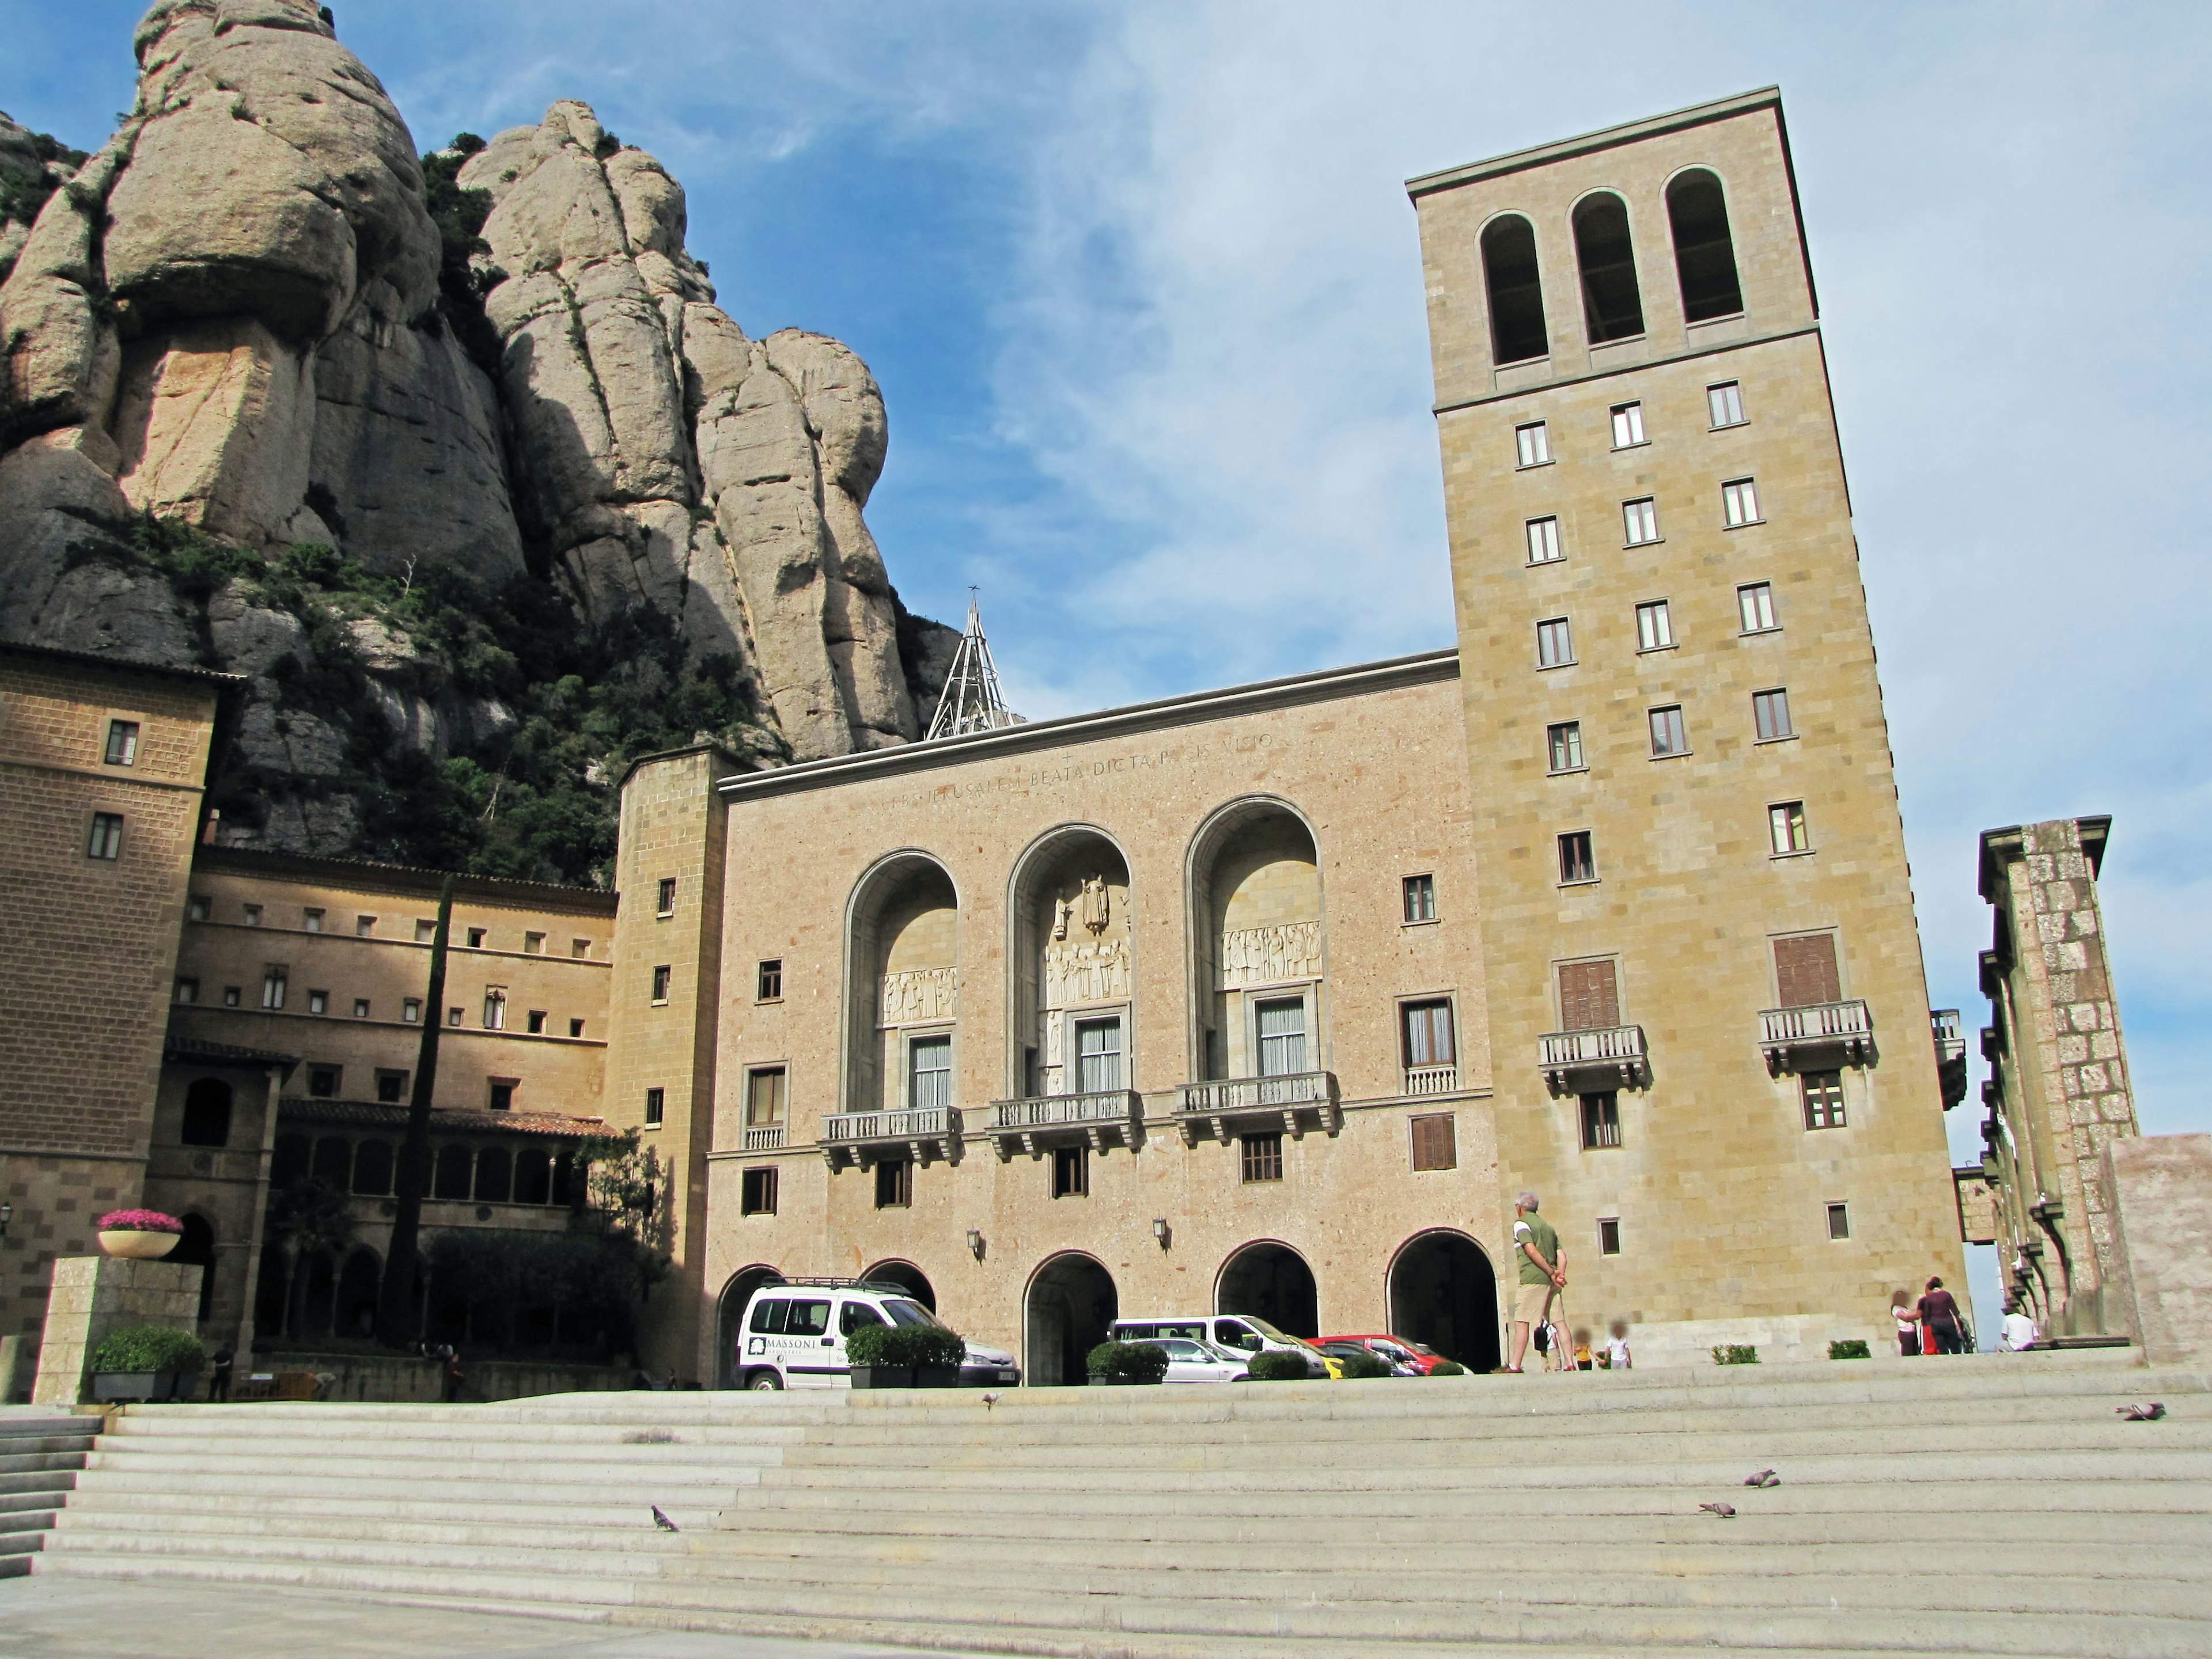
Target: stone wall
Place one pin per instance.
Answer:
(94, 1295)
(2156, 1192)
(395, 1379)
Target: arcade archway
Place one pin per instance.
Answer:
(1444, 1293)
(1272, 1281)
(908, 1277)
(729, 1309)
(1072, 1302)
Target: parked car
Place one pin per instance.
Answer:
(1409, 1359)
(1340, 1351)
(1245, 1333)
(1192, 1361)
(792, 1336)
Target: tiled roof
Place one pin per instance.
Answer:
(402, 878)
(190, 1049)
(444, 1120)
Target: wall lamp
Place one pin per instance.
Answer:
(7, 1214)
(1161, 1231)
(975, 1243)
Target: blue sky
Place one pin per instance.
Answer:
(1142, 288)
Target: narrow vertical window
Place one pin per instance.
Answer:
(1590, 996)
(1421, 896)
(318, 1002)
(1639, 520)
(1628, 426)
(1555, 642)
(533, 945)
(252, 913)
(661, 976)
(426, 930)
(534, 1022)
(1770, 714)
(1098, 1056)
(360, 1007)
(1533, 443)
(580, 948)
(1261, 1157)
(1840, 1222)
(1609, 1236)
(1565, 743)
(1544, 541)
(1739, 502)
(656, 1108)
(929, 1073)
(894, 1184)
(1724, 403)
(1668, 736)
(1613, 307)
(123, 743)
(410, 1010)
(667, 904)
(1705, 253)
(495, 1008)
(364, 926)
(1755, 601)
(311, 921)
(765, 1096)
(1426, 1028)
(1071, 1172)
(1823, 1093)
(105, 840)
(198, 907)
(1785, 826)
(188, 990)
(1282, 1037)
(476, 937)
(1601, 1115)
(1655, 626)
(1576, 860)
(274, 984)
(768, 980)
(1516, 289)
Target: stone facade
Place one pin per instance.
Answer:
(2157, 1192)
(94, 1295)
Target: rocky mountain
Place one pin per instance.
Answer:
(454, 455)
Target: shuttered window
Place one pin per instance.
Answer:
(1435, 1143)
(1589, 997)
(1805, 970)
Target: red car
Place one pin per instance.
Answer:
(1407, 1356)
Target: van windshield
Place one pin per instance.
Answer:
(903, 1312)
(1266, 1329)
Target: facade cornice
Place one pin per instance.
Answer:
(1518, 160)
(401, 878)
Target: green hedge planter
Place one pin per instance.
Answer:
(905, 1356)
(1123, 1364)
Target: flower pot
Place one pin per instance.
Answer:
(883, 1376)
(136, 1246)
(139, 1385)
(937, 1376)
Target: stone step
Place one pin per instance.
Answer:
(243, 1453)
(518, 1517)
(488, 1463)
(640, 1410)
(22, 1541)
(411, 1485)
(287, 1435)
(646, 1558)
(511, 1588)
(518, 1535)
(41, 1461)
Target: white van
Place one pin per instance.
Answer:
(792, 1336)
(1238, 1332)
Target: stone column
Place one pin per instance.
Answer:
(92, 1295)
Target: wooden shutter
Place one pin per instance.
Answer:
(1805, 970)
(1589, 997)
(1435, 1143)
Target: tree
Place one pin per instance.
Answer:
(397, 1315)
(308, 1217)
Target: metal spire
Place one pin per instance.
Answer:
(972, 701)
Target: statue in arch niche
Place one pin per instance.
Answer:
(1094, 904)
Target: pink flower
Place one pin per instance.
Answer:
(139, 1221)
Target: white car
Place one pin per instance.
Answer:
(1245, 1333)
(1190, 1361)
(792, 1336)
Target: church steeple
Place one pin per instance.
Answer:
(972, 701)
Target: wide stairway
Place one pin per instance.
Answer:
(40, 1451)
(1993, 1505)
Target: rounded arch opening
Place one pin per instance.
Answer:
(453, 1176)
(334, 1162)
(207, 1114)
(729, 1313)
(1613, 305)
(1257, 945)
(902, 965)
(1443, 1294)
(359, 1282)
(197, 1248)
(1071, 1305)
(372, 1166)
(1516, 289)
(1069, 1023)
(1704, 249)
(908, 1278)
(1270, 1279)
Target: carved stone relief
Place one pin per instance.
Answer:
(1267, 955)
(1087, 972)
(921, 996)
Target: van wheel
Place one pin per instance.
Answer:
(766, 1382)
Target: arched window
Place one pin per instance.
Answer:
(207, 1113)
(372, 1169)
(1257, 945)
(1516, 291)
(197, 1247)
(494, 1175)
(454, 1169)
(1070, 945)
(533, 1175)
(334, 1162)
(1612, 306)
(290, 1160)
(1705, 253)
(901, 991)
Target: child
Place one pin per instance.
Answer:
(1617, 1357)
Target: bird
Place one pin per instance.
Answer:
(662, 1520)
(1723, 1510)
(989, 1401)
(2150, 1413)
(1764, 1477)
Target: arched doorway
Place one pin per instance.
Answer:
(1071, 1304)
(729, 1309)
(197, 1247)
(1272, 1281)
(358, 1284)
(908, 1277)
(1444, 1293)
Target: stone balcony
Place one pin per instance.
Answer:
(1812, 1037)
(1293, 1103)
(1103, 1118)
(1431, 1079)
(1950, 1055)
(922, 1133)
(1610, 1056)
(764, 1138)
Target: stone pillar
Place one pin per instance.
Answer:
(92, 1295)
(2158, 1192)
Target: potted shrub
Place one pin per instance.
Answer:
(935, 1355)
(1123, 1364)
(146, 1362)
(865, 1352)
(1358, 1366)
(139, 1234)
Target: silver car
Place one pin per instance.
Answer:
(1200, 1362)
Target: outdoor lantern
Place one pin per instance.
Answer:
(975, 1243)
(7, 1214)
(1160, 1230)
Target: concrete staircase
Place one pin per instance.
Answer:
(1984, 1505)
(40, 1452)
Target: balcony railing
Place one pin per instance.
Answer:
(767, 1137)
(1221, 1107)
(1791, 1036)
(918, 1133)
(1431, 1079)
(1612, 1053)
(1037, 1122)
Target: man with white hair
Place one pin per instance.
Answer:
(1543, 1273)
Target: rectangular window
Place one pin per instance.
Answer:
(1261, 1157)
(272, 987)
(1755, 601)
(1590, 996)
(323, 1082)
(1426, 1030)
(1640, 520)
(231, 995)
(494, 1014)
(1609, 1236)
(666, 906)
(1534, 443)
(123, 743)
(1420, 893)
(501, 1097)
(661, 976)
(477, 936)
(411, 1011)
(1600, 1115)
(929, 1073)
(580, 948)
(1668, 736)
(1824, 1099)
(764, 1098)
(1071, 1172)
(1555, 642)
(1739, 502)
(757, 1196)
(1282, 1037)
(311, 921)
(1565, 743)
(1785, 824)
(391, 1087)
(1840, 1222)
(454, 1014)
(1098, 1056)
(1578, 860)
(188, 990)
(536, 1019)
(1805, 973)
(1770, 714)
(197, 907)
(1544, 541)
(533, 945)
(894, 1184)
(768, 981)
(1435, 1142)
(1627, 425)
(252, 913)
(360, 1007)
(105, 840)
(318, 1002)
(575, 1028)
(426, 930)
(656, 1106)
(1655, 626)
(364, 926)
(1725, 403)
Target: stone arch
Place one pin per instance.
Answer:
(1443, 1292)
(290, 1158)
(334, 1162)
(1068, 1307)
(1705, 248)
(452, 1176)
(197, 1248)
(1237, 876)
(372, 1166)
(1515, 288)
(908, 1278)
(494, 1176)
(207, 1113)
(1057, 964)
(901, 924)
(353, 1311)
(1270, 1278)
(533, 1175)
(1605, 255)
(729, 1310)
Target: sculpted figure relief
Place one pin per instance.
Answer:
(1269, 956)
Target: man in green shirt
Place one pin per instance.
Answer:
(1543, 1273)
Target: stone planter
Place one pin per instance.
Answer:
(937, 1376)
(152, 1386)
(133, 1245)
(883, 1376)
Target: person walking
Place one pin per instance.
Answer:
(450, 1375)
(1908, 1324)
(219, 1379)
(1940, 1319)
(1543, 1273)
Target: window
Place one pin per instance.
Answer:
(1640, 520)
(1259, 1158)
(501, 1097)
(533, 945)
(453, 1015)
(536, 1019)
(391, 1087)
(656, 1108)
(207, 1114)
(1515, 290)
(477, 936)
(272, 987)
(105, 840)
(580, 948)
(929, 1073)
(1420, 893)
(1425, 1029)
(323, 1082)
(768, 981)
(1544, 541)
(894, 1184)
(1628, 426)
(1576, 860)
(1071, 1172)
(364, 926)
(197, 907)
(764, 1098)
(1739, 502)
(1785, 826)
(1601, 1115)
(1840, 1222)
(1533, 444)
(318, 1002)
(666, 906)
(311, 921)
(757, 1196)
(1824, 1099)
(1282, 1037)
(495, 1012)
(660, 978)
(1609, 1236)
(426, 930)
(1590, 996)
(1612, 308)
(252, 913)
(575, 1028)
(1655, 626)
(1770, 714)
(123, 743)
(1755, 601)
(1705, 253)
(360, 1007)
(1435, 1142)
(188, 990)
(1098, 1056)
(231, 996)
(1805, 973)
(1555, 642)
(1564, 744)
(1668, 737)
(1725, 403)
(410, 1010)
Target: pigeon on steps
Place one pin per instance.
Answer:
(662, 1520)
(1723, 1510)
(1764, 1477)
(2150, 1413)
